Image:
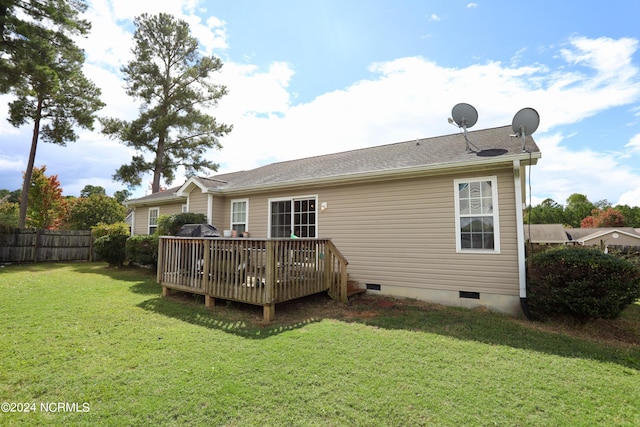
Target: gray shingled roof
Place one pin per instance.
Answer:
(441, 150)
(546, 233)
(488, 145)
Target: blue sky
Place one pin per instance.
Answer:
(316, 77)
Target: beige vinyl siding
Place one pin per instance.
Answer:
(401, 234)
(217, 219)
(608, 239)
(198, 202)
(141, 223)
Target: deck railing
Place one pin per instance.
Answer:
(256, 271)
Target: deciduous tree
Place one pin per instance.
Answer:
(86, 212)
(547, 212)
(90, 190)
(603, 218)
(121, 195)
(47, 208)
(578, 207)
(174, 84)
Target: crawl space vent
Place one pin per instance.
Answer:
(470, 295)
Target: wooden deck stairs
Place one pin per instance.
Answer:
(353, 288)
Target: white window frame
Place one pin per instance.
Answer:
(185, 208)
(149, 217)
(493, 214)
(293, 199)
(233, 223)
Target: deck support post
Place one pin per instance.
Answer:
(166, 291)
(269, 312)
(160, 267)
(209, 301)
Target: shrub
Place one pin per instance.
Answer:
(582, 283)
(9, 213)
(142, 250)
(169, 225)
(111, 248)
(102, 229)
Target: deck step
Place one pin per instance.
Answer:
(353, 288)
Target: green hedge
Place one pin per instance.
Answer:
(169, 225)
(102, 229)
(582, 283)
(111, 248)
(142, 250)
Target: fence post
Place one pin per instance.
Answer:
(36, 246)
(90, 247)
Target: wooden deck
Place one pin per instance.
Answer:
(255, 271)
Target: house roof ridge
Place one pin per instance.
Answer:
(371, 148)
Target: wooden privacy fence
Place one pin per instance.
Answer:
(38, 245)
(255, 271)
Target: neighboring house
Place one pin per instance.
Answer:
(549, 234)
(546, 234)
(425, 219)
(623, 236)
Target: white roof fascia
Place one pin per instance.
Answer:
(182, 191)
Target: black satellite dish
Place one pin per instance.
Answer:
(524, 123)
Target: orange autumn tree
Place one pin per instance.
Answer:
(603, 218)
(47, 208)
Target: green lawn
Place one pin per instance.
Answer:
(105, 344)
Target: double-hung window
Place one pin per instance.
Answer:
(477, 224)
(153, 219)
(239, 214)
(293, 216)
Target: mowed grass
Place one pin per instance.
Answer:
(84, 333)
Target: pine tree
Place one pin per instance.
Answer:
(50, 89)
(173, 82)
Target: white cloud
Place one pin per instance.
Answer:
(404, 99)
(634, 144)
(472, 5)
(412, 97)
(563, 171)
(434, 17)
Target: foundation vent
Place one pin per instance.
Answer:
(469, 295)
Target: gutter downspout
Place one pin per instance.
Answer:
(522, 270)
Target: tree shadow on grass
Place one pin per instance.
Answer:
(144, 279)
(611, 341)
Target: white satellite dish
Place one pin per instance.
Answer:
(524, 123)
(465, 116)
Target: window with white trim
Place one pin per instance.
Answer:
(293, 216)
(185, 208)
(239, 215)
(477, 224)
(153, 219)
